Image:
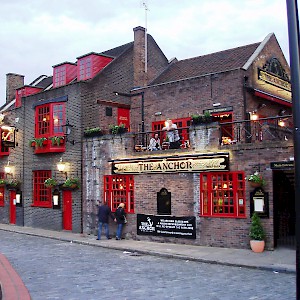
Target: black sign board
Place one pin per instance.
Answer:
(169, 226)
(259, 202)
(279, 165)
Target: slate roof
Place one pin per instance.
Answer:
(207, 64)
(115, 52)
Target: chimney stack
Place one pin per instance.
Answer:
(13, 82)
(140, 76)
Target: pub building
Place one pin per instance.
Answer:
(93, 121)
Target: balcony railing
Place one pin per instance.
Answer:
(142, 140)
(264, 129)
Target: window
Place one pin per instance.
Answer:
(60, 76)
(119, 189)
(222, 194)
(42, 196)
(49, 119)
(85, 68)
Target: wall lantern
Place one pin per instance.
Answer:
(67, 129)
(253, 116)
(61, 166)
(55, 199)
(8, 169)
(18, 198)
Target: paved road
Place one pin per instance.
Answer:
(53, 269)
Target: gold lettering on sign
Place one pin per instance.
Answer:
(267, 77)
(194, 164)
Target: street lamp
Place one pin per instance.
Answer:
(67, 128)
(61, 166)
(142, 106)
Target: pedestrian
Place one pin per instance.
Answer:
(154, 143)
(104, 213)
(172, 134)
(120, 218)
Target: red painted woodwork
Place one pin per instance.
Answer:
(67, 209)
(1, 195)
(12, 207)
(272, 98)
(42, 195)
(64, 73)
(91, 64)
(124, 117)
(25, 91)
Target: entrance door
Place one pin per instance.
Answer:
(284, 208)
(12, 207)
(67, 210)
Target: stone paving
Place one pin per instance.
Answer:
(54, 268)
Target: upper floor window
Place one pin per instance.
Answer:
(49, 119)
(59, 76)
(42, 196)
(85, 68)
(222, 194)
(119, 189)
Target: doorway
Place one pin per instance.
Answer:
(284, 208)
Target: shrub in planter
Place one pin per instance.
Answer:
(257, 234)
(96, 131)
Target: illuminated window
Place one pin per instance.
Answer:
(119, 189)
(222, 194)
(42, 196)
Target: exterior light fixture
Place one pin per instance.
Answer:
(254, 116)
(18, 198)
(67, 128)
(281, 123)
(8, 168)
(61, 166)
(55, 199)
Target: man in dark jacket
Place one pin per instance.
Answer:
(104, 213)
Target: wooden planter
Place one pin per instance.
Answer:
(255, 184)
(257, 246)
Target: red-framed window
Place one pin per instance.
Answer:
(60, 75)
(42, 196)
(181, 123)
(85, 68)
(222, 194)
(2, 176)
(119, 189)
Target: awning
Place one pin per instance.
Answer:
(273, 98)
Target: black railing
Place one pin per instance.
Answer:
(264, 129)
(142, 140)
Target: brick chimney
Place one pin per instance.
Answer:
(140, 77)
(13, 82)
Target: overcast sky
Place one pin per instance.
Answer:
(37, 34)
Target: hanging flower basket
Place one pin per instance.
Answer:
(12, 184)
(50, 183)
(70, 184)
(256, 180)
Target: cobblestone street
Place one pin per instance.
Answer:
(53, 269)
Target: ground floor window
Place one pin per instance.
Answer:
(1, 196)
(42, 195)
(222, 194)
(119, 189)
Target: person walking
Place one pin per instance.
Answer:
(104, 213)
(120, 218)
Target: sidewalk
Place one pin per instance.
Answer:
(279, 260)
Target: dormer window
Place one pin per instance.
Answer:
(85, 65)
(64, 73)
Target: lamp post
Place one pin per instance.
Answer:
(293, 29)
(142, 104)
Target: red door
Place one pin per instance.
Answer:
(67, 210)
(12, 207)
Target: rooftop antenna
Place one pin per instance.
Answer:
(146, 46)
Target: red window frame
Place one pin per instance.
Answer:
(222, 194)
(60, 76)
(119, 189)
(42, 196)
(2, 176)
(181, 123)
(85, 68)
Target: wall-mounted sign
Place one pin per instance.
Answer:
(169, 226)
(259, 202)
(274, 80)
(171, 164)
(218, 109)
(8, 134)
(282, 165)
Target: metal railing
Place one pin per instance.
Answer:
(264, 129)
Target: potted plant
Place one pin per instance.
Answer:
(2, 182)
(50, 182)
(256, 179)
(202, 118)
(115, 129)
(256, 234)
(96, 131)
(12, 184)
(71, 183)
(56, 140)
(37, 142)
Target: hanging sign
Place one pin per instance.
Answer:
(8, 134)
